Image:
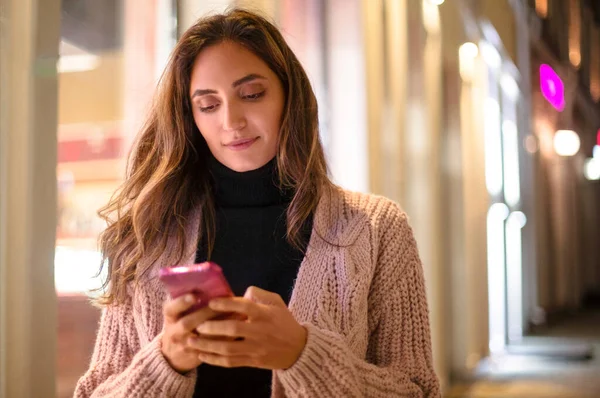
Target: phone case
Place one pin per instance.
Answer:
(206, 281)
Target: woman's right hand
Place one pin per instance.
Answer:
(178, 329)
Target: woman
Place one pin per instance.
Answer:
(330, 298)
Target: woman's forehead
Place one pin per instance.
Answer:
(225, 63)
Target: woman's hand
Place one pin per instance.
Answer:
(268, 337)
(178, 329)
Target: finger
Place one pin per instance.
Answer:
(236, 316)
(228, 328)
(187, 350)
(191, 321)
(173, 309)
(219, 346)
(262, 296)
(219, 338)
(228, 361)
(238, 305)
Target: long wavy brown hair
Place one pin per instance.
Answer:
(167, 178)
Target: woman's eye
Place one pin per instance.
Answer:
(207, 109)
(254, 96)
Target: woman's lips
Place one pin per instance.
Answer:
(240, 145)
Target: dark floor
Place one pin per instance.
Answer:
(562, 361)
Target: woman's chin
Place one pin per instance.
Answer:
(242, 165)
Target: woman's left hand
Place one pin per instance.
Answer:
(268, 338)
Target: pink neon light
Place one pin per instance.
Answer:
(598, 138)
(552, 87)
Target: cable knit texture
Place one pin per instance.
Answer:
(359, 292)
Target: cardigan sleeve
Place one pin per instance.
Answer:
(399, 358)
(121, 368)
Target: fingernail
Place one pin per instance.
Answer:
(189, 298)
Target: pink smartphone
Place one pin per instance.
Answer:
(206, 281)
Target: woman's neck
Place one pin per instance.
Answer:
(253, 188)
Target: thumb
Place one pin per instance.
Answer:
(262, 296)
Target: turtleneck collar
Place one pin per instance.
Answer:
(253, 188)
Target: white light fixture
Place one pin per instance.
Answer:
(496, 244)
(591, 169)
(491, 55)
(510, 87)
(431, 17)
(467, 53)
(436, 2)
(596, 152)
(493, 141)
(77, 63)
(468, 50)
(514, 274)
(75, 59)
(512, 184)
(566, 143)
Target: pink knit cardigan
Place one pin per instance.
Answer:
(362, 301)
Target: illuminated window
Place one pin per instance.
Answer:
(595, 63)
(575, 33)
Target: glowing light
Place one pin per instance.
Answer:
(496, 217)
(468, 50)
(541, 7)
(75, 270)
(566, 143)
(431, 17)
(491, 55)
(596, 152)
(575, 33)
(552, 87)
(75, 59)
(531, 144)
(591, 169)
(509, 85)
(512, 184)
(436, 2)
(77, 63)
(467, 53)
(514, 271)
(493, 141)
(575, 58)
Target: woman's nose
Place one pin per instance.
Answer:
(233, 118)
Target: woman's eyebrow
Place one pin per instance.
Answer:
(239, 82)
(246, 79)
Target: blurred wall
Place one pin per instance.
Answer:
(567, 204)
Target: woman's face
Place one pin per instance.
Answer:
(237, 104)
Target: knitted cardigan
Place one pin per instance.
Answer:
(359, 292)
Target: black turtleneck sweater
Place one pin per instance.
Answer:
(252, 250)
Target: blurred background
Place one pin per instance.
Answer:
(480, 117)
